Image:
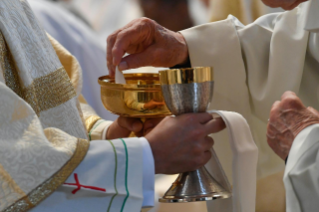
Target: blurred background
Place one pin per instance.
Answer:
(82, 27)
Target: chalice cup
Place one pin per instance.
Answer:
(130, 99)
(141, 96)
(190, 90)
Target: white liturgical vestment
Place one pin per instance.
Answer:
(301, 174)
(81, 41)
(254, 65)
(52, 144)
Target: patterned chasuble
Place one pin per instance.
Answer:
(43, 138)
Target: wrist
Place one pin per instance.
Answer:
(296, 130)
(183, 59)
(157, 162)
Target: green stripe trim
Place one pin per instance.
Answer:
(95, 126)
(115, 173)
(126, 170)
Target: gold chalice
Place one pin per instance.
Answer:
(141, 97)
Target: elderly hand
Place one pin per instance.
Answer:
(284, 4)
(287, 118)
(148, 44)
(181, 143)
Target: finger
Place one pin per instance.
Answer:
(209, 142)
(288, 94)
(139, 134)
(289, 100)
(203, 118)
(150, 123)
(271, 131)
(131, 124)
(132, 36)
(109, 56)
(207, 155)
(271, 143)
(137, 60)
(314, 111)
(274, 111)
(159, 103)
(215, 125)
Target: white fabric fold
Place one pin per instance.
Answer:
(148, 174)
(301, 173)
(244, 166)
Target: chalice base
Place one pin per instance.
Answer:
(194, 186)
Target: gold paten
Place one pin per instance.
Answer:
(128, 100)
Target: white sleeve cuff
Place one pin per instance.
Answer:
(297, 144)
(106, 127)
(148, 174)
(98, 130)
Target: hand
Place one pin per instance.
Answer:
(122, 128)
(287, 118)
(206, 3)
(148, 44)
(153, 104)
(150, 124)
(181, 143)
(284, 4)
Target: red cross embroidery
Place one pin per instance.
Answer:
(78, 185)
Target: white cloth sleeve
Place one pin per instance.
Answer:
(148, 174)
(301, 174)
(110, 178)
(148, 171)
(250, 71)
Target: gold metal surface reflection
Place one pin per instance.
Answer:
(141, 97)
(187, 75)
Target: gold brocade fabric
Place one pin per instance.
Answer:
(44, 190)
(89, 122)
(72, 68)
(42, 132)
(45, 92)
(10, 72)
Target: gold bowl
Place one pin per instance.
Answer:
(140, 97)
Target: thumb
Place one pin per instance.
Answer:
(145, 58)
(130, 124)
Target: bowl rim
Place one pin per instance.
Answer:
(113, 86)
(186, 75)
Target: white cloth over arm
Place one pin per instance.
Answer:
(244, 166)
(302, 173)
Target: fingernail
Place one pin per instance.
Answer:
(123, 65)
